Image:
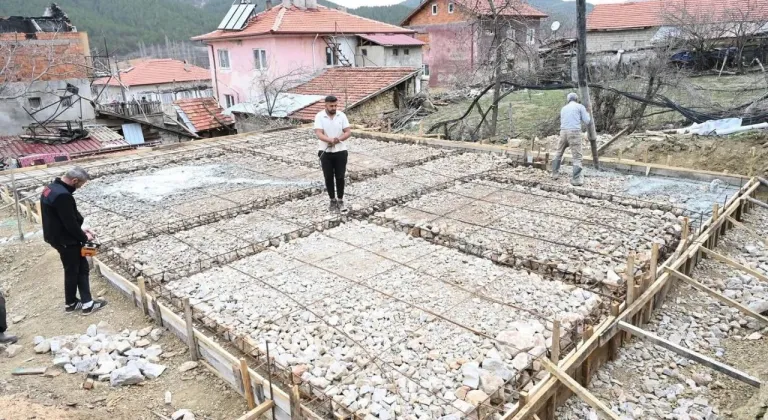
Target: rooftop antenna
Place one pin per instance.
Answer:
(555, 26)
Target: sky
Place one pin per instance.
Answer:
(358, 3)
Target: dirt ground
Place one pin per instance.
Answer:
(719, 154)
(31, 274)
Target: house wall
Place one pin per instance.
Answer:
(291, 61)
(372, 109)
(379, 56)
(620, 40)
(452, 53)
(165, 93)
(13, 117)
(50, 59)
(425, 16)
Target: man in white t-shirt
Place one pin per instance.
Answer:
(332, 130)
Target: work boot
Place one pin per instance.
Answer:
(333, 206)
(555, 167)
(578, 177)
(8, 339)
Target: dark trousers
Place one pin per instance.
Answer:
(334, 169)
(75, 275)
(3, 321)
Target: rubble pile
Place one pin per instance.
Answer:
(124, 358)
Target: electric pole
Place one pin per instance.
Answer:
(581, 11)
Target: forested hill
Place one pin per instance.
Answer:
(127, 23)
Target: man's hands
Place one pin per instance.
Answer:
(89, 234)
(336, 140)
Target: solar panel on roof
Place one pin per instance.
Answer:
(236, 17)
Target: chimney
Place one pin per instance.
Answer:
(268, 5)
(310, 4)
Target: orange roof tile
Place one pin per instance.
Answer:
(200, 114)
(669, 12)
(158, 71)
(350, 85)
(293, 20)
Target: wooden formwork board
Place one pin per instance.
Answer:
(222, 361)
(597, 348)
(30, 210)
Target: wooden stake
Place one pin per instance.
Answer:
(652, 276)
(248, 390)
(295, 403)
(619, 155)
(523, 399)
(578, 389)
(555, 354)
(613, 345)
(158, 314)
(258, 411)
(685, 229)
(756, 202)
(191, 341)
(586, 367)
(698, 357)
(143, 295)
(718, 296)
(629, 275)
(646, 156)
(734, 264)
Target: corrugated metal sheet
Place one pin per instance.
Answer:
(286, 104)
(104, 135)
(14, 146)
(133, 134)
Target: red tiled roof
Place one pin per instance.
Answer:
(387, 40)
(201, 111)
(350, 85)
(293, 20)
(518, 8)
(158, 71)
(14, 146)
(669, 12)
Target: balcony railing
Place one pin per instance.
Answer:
(133, 108)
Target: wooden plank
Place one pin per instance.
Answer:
(748, 229)
(20, 371)
(629, 275)
(578, 389)
(247, 388)
(586, 367)
(718, 296)
(258, 411)
(756, 202)
(191, 342)
(689, 354)
(295, 403)
(734, 264)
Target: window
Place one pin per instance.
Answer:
(450, 7)
(425, 69)
(406, 51)
(35, 102)
(434, 9)
(260, 59)
(530, 36)
(224, 59)
(395, 52)
(365, 52)
(229, 100)
(512, 34)
(66, 101)
(331, 59)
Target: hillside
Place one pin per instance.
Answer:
(127, 23)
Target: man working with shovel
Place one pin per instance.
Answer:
(572, 116)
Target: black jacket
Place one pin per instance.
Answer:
(61, 220)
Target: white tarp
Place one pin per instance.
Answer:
(720, 127)
(285, 105)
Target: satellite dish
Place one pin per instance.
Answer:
(555, 26)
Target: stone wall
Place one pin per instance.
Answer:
(619, 40)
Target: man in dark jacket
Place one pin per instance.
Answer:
(62, 229)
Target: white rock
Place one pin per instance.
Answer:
(168, 397)
(12, 350)
(122, 346)
(152, 370)
(155, 334)
(55, 346)
(476, 397)
(183, 414)
(43, 347)
(471, 374)
(92, 330)
(60, 361)
(521, 361)
(70, 368)
(754, 336)
(144, 331)
(38, 339)
(128, 375)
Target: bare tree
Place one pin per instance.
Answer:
(696, 28)
(272, 88)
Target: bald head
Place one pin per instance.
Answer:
(572, 97)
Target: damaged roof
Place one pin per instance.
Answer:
(202, 114)
(295, 20)
(351, 85)
(53, 20)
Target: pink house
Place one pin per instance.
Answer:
(253, 55)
